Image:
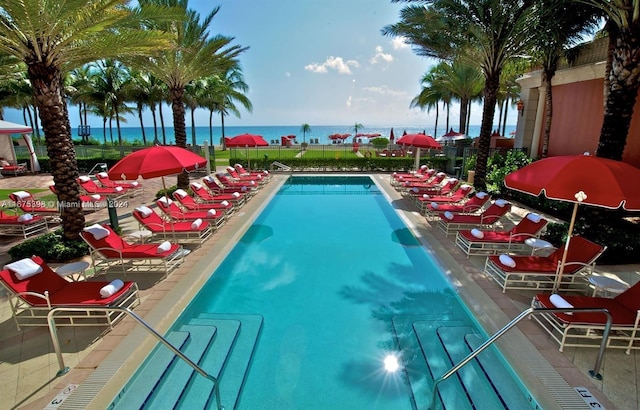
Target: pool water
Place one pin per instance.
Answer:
(329, 281)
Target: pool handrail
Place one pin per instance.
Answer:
(595, 373)
(63, 369)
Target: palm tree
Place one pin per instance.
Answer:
(463, 81)
(140, 90)
(489, 32)
(621, 79)
(430, 94)
(52, 37)
(356, 127)
(194, 55)
(226, 90)
(304, 129)
(554, 37)
(78, 89)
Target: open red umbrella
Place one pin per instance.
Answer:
(247, 140)
(418, 141)
(581, 179)
(451, 136)
(156, 161)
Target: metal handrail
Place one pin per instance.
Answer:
(280, 165)
(145, 325)
(595, 373)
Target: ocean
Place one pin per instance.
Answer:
(271, 132)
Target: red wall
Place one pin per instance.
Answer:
(577, 120)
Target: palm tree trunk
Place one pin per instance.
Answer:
(211, 128)
(193, 128)
(179, 128)
(492, 83)
(224, 142)
(546, 82)
(622, 94)
(48, 97)
(36, 129)
(164, 134)
(104, 129)
(144, 135)
(464, 106)
(152, 107)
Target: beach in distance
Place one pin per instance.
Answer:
(271, 132)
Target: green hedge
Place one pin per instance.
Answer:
(378, 164)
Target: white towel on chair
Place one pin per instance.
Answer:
(481, 195)
(533, 217)
(25, 218)
(98, 231)
(236, 195)
(95, 197)
(165, 200)
(448, 215)
(144, 210)
(22, 194)
(434, 205)
(84, 178)
(24, 268)
(103, 175)
(560, 302)
(118, 189)
(507, 260)
(224, 203)
(181, 193)
(196, 185)
(111, 288)
(501, 202)
(211, 212)
(477, 233)
(196, 224)
(163, 247)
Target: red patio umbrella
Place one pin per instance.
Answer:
(156, 161)
(247, 140)
(581, 179)
(418, 141)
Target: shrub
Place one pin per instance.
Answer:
(380, 143)
(52, 247)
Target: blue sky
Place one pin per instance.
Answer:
(321, 62)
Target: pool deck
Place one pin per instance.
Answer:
(28, 363)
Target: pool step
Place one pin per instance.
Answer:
(148, 379)
(451, 393)
(198, 393)
(478, 387)
(171, 388)
(502, 378)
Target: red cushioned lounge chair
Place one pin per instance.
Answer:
(432, 210)
(108, 250)
(89, 203)
(32, 297)
(203, 195)
(243, 172)
(487, 242)
(460, 194)
(216, 217)
(540, 272)
(585, 329)
(28, 204)
(233, 173)
(134, 187)
(91, 188)
(25, 225)
(450, 223)
(180, 231)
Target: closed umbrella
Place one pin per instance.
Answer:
(580, 179)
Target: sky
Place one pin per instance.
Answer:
(321, 62)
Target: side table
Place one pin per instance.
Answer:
(74, 271)
(537, 244)
(607, 284)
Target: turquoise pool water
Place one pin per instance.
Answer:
(331, 281)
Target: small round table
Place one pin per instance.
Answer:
(139, 236)
(536, 244)
(607, 284)
(74, 271)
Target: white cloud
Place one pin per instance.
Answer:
(381, 56)
(399, 43)
(348, 102)
(334, 63)
(384, 90)
(287, 74)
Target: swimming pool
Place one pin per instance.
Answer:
(302, 313)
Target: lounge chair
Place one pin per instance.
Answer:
(28, 204)
(108, 249)
(450, 223)
(216, 217)
(91, 188)
(585, 329)
(216, 188)
(473, 205)
(134, 187)
(259, 178)
(423, 174)
(34, 289)
(205, 195)
(479, 242)
(227, 182)
(540, 272)
(24, 225)
(243, 172)
(420, 183)
(447, 187)
(460, 194)
(182, 231)
(89, 203)
(7, 168)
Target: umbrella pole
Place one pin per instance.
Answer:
(417, 162)
(556, 286)
(166, 196)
